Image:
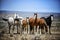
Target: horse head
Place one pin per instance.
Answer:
(35, 16)
(52, 17)
(35, 13)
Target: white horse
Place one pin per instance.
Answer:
(11, 20)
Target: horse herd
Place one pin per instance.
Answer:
(35, 24)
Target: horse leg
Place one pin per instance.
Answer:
(13, 27)
(40, 29)
(49, 29)
(23, 29)
(31, 29)
(37, 29)
(28, 28)
(46, 28)
(34, 29)
(17, 28)
(9, 28)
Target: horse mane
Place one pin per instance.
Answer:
(49, 17)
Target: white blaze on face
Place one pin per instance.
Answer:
(11, 19)
(52, 18)
(34, 16)
(16, 15)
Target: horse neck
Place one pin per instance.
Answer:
(49, 18)
(35, 18)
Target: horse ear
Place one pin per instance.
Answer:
(35, 13)
(51, 15)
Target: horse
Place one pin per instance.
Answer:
(35, 22)
(31, 23)
(10, 22)
(16, 21)
(48, 21)
(24, 24)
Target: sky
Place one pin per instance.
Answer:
(31, 5)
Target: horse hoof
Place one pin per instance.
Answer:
(11, 35)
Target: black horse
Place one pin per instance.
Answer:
(48, 21)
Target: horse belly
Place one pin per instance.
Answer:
(42, 21)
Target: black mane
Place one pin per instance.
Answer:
(48, 20)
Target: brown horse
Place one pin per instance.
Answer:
(42, 24)
(37, 22)
(34, 21)
(24, 24)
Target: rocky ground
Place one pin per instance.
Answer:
(30, 37)
(54, 36)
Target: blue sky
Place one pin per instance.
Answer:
(30, 5)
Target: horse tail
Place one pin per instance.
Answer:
(4, 19)
(46, 27)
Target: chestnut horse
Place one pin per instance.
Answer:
(35, 22)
